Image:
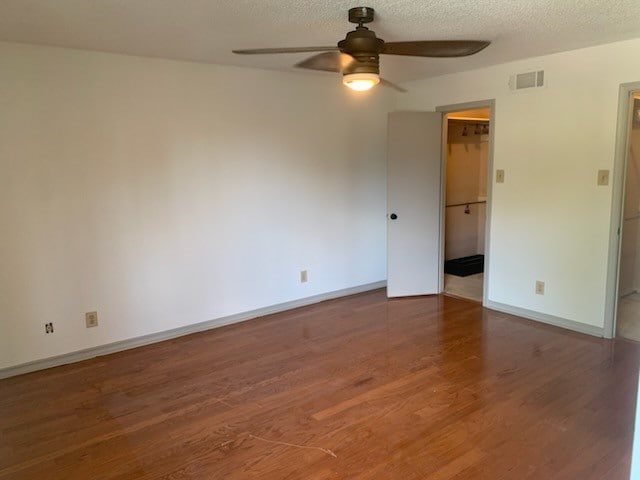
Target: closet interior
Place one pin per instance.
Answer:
(466, 202)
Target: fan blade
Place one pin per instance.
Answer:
(436, 48)
(387, 83)
(254, 51)
(327, 62)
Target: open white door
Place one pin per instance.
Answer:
(413, 203)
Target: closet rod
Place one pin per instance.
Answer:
(465, 203)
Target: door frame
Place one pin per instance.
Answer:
(491, 105)
(617, 211)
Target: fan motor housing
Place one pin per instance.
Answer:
(365, 47)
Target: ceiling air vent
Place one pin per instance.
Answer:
(527, 81)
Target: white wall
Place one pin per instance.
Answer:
(549, 221)
(164, 193)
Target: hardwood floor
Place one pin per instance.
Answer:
(355, 388)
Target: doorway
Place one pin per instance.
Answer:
(416, 160)
(628, 294)
(466, 159)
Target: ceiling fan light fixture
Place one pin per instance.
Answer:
(361, 81)
(357, 56)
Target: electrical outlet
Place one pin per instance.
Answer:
(603, 178)
(539, 287)
(499, 176)
(48, 327)
(303, 276)
(91, 319)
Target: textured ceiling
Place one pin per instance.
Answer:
(207, 30)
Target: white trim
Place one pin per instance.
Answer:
(617, 192)
(181, 331)
(444, 153)
(548, 319)
(491, 105)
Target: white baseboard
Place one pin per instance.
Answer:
(548, 319)
(179, 332)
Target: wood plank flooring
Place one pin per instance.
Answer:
(355, 388)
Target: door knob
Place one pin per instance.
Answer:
(393, 216)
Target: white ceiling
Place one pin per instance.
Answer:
(207, 30)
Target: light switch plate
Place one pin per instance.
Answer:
(499, 176)
(603, 177)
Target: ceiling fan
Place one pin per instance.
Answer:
(357, 57)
